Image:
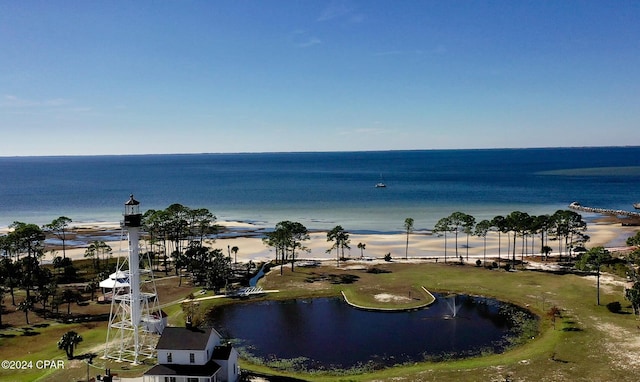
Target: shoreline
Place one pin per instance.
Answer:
(247, 236)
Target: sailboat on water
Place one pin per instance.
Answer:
(381, 183)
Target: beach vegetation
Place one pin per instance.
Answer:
(235, 250)
(287, 238)
(443, 226)
(634, 240)
(593, 259)
(633, 296)
(58, 227)
(517, 223)
(408, 227)
(457, 221)
(172, 230)
(568, 224)
(500, 225)
(340, 239)
(361, 247)
(96, 249)
(481, 230)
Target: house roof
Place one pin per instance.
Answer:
(206, 370)
(222, 352)
(180, 338)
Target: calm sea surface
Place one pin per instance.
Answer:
(322, 190)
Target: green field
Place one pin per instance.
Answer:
(588, 343)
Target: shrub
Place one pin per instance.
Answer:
(614, 307)
(387, 257)
(478, 263)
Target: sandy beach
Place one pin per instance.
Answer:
(247, 238)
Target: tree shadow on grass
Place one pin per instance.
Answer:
(29, 332)
(376, 270)
(571, 326)
(343, 279)
(332, 278)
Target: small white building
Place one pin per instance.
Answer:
(187, 354)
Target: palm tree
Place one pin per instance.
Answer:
(235, 250)
(361, 246)
(25, 306)
(408, 226)
(68, 342)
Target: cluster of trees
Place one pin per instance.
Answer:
(287, 239)
(565, 226)
(633, 294)
(181, 234)
(340, 239)
(174, 230)
(20, 268)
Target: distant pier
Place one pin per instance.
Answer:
(578, 207)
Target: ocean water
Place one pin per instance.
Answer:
(322, 189)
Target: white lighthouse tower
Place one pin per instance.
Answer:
(135, 318)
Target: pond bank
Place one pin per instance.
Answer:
(377, 309)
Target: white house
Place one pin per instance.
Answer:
(187, 354)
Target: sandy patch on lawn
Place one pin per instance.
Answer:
(386, 297)
(623, 346)
(608, 283)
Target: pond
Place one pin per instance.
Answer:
(327, 333)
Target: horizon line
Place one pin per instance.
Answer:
(315, 151)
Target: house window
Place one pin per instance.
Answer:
(169, 379)
(192, 358)
(169, 358)
(192, 379)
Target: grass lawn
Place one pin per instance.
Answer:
(588, 342)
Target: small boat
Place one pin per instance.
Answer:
(380, 184)
(636, 206)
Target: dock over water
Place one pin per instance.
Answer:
(578, 207)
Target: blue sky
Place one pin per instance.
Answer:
(128, 77)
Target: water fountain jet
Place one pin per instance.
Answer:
(453, 307)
